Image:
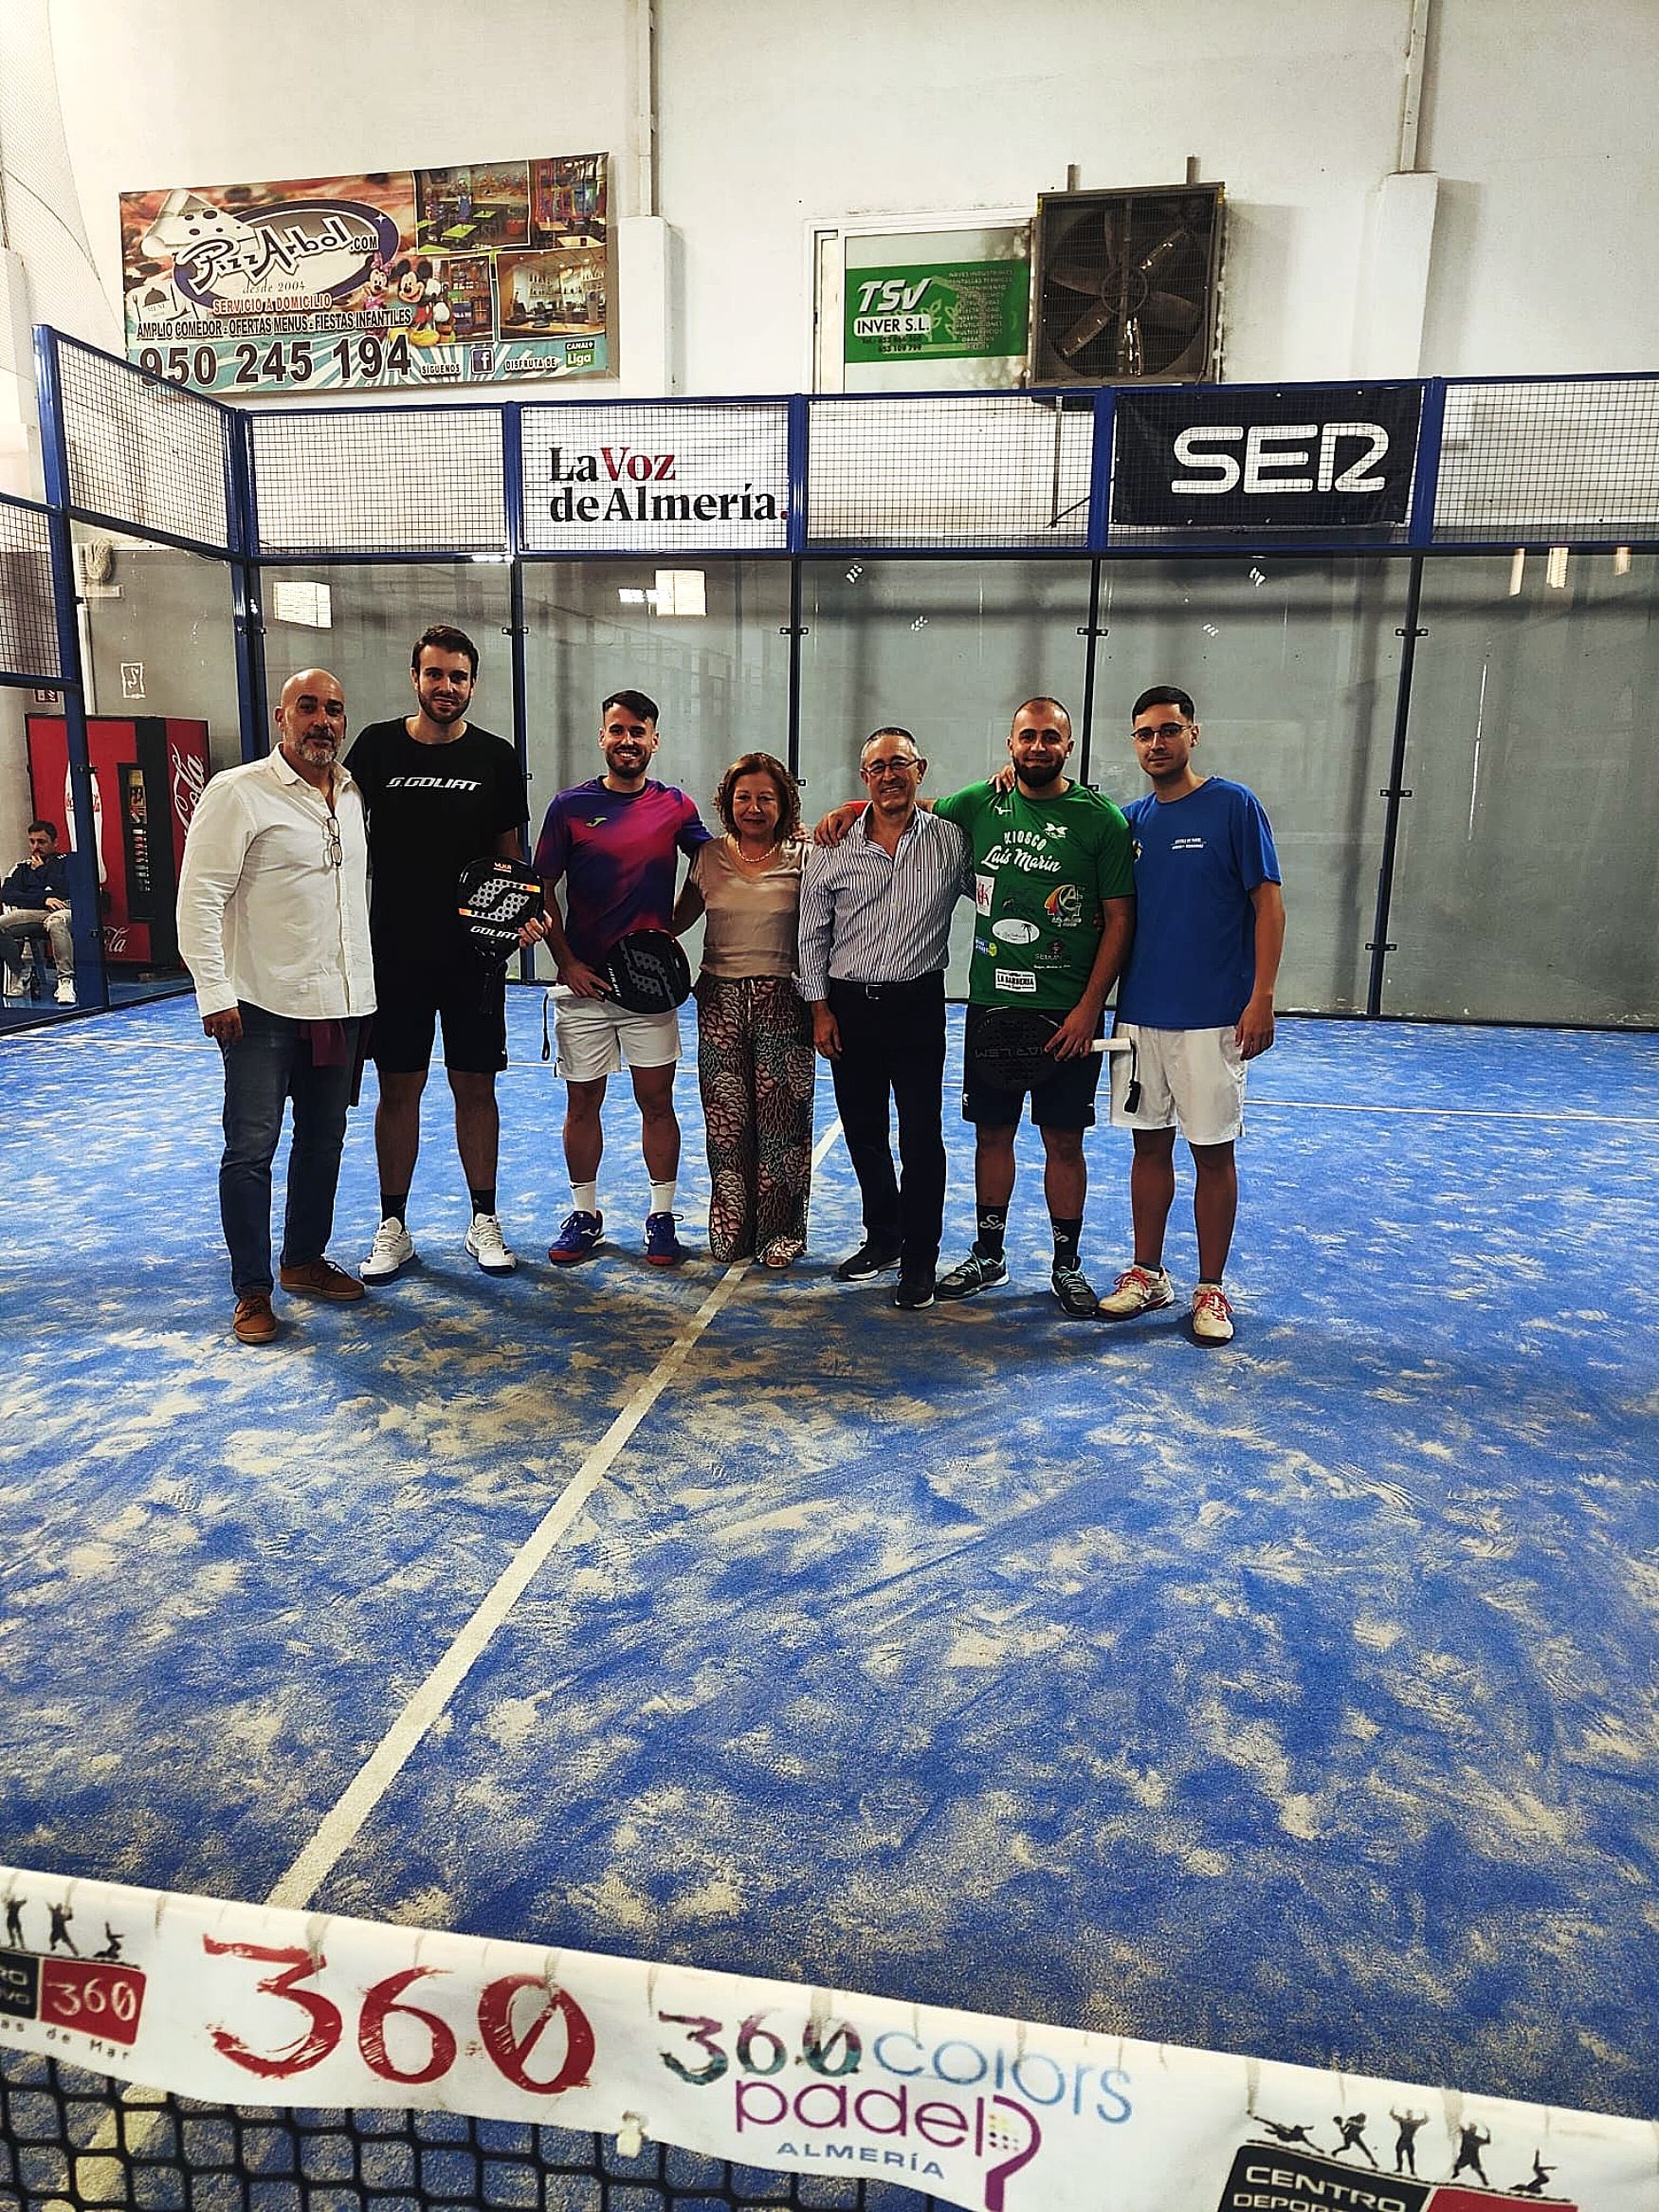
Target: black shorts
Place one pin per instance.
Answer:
(470, 1001)
(1065, 1100)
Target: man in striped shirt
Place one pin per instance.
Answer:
(875, 940)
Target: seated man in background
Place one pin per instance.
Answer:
(35, 898)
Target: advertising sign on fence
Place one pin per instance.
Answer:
(426, 277)
(1229, 457)
(248, 2005)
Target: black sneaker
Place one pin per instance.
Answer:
(1071, 1288)
(913, 1294)
(975, 1274)
(869, 1259)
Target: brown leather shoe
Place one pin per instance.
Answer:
(255, 1323)
(320, 1279)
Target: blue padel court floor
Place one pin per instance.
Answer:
(1296, 1698)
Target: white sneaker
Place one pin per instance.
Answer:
(65, 992)
(390, 1254)
(1140, 1290)
(488, 1247)
(1212, 1314)
(16, 985)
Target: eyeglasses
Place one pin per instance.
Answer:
(889, 767)
(1166, 730)
(331, 842)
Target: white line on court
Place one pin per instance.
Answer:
(1327, 1106)
(339, 1826)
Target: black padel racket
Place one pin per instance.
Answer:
(1011, 1047)
(495, 896)
(647, 972)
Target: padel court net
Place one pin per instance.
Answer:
(164, 2051)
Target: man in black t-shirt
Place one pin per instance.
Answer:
(440, 792)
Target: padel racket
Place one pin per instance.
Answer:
(647, 972)
(1011, 1047)
(494, 897)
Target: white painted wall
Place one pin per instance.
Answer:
(772, 113)
(1540, 120)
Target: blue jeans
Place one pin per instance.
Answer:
(269, 1064)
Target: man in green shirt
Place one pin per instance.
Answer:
(1054, 911)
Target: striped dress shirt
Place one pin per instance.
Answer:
(870, 917)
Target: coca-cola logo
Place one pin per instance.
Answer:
(189, 775)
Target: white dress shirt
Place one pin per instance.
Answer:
(265, 913)
(871, 916)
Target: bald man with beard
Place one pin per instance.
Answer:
(273, 924)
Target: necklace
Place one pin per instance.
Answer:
(754, 860)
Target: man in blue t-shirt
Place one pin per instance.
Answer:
(1196, 1001)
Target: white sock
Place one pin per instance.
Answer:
(663, 1197)
(585, 1197)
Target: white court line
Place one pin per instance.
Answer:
(341, 1826)
(1327, 1106)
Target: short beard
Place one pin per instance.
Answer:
(1040, 779)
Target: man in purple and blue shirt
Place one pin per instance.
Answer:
(615, 843)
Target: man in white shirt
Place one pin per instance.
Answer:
(273, 923)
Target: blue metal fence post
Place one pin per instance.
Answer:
(794, 629)
(517, 629)
(1099, 497)
(1425, 481)
(83, 862)
(247, 593)
(1425, 476)
(1100, 471)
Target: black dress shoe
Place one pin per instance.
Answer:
(914, 1292)
(869, 1259)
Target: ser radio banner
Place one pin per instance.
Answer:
(1309, 457)
(243, 2004)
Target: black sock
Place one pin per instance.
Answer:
(993, 1223)
(1067, 1236)
(394, 1206)
(483, 1198)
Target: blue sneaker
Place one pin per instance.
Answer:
(577, 1239)
(662, 1248)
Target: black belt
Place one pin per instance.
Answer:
(887, 990)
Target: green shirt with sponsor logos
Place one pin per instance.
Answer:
(1040, 868)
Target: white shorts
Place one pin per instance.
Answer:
(1190, 1078)
(595, 1035)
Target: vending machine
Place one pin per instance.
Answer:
(148, 773)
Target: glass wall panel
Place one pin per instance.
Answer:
(1527, 881)
(158, 635)
(359, 620)
(28, 646)
(1292, 666)
(720, 677)
(946, 648)
(17, 809)
(158, 656)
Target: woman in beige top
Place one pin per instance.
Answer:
(755, 1059)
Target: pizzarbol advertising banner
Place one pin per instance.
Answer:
(1309, 457)
(242, 2005)
(404, 277)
